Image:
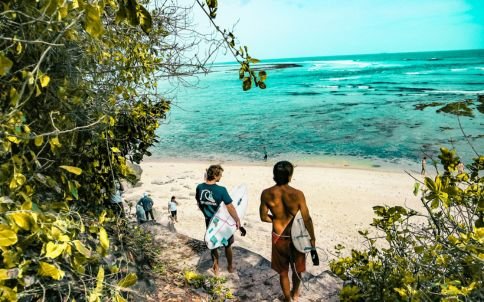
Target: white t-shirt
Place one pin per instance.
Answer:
(172, 206)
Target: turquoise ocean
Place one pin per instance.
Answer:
(333, 109)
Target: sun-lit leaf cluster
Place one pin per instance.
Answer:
(78, 100)
(247, 74)
(433, 256)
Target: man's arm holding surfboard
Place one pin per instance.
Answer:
(308, 222)
(233, 212)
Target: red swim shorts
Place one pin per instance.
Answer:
(284, 254)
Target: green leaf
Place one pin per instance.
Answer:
(262, 75)
(7, 236)
(54, 250)
(44, 80)
(246, 84)
(24, 220)
(419, 249)
(38, 141)
(99, 285)
(128, 281)
(416, 186)
(103, 238)
(435, 203)
(93, 24)
(73, 170)
(119, 298)
(144, 19)
(5, 64)
(73, 189)
(50, 270)
(81, 248)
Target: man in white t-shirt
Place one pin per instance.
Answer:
(172, 208)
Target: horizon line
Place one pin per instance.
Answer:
(360, 54)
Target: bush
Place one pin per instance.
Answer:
(433, 256)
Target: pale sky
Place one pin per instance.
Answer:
(301, 28)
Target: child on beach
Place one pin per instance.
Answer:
(172, 209)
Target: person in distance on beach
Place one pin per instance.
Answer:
(209, 196)
(284, 202)
(147, 203)
(172, 209)
(424, 165)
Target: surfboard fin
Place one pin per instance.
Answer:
(315, 257)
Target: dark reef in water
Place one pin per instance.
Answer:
(277, 66)
(270, 67)
(423, 106)
(303, 93)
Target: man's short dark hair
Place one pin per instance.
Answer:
(214, 171)
(283, 172)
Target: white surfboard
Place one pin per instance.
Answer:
(299, 234)
(222, 225)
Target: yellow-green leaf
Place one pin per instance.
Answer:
(103, 238)
(50, 270)
(93, 24)
(27, 205)
(102, 217)
(54, 142)
(18, 179)
(38, 140)
(115, 150)
(73, 170)
(5, 64)
(44, 80)
(13, 139)
(99, 285)
(24, 220)
(53, 250)
(7, 236)
(8, 293)
(128, 281)
(82, 249)
(119, 298)
(144, 19)
(6, 274)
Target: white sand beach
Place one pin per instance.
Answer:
(340, 200)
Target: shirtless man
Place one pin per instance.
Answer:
(284, 202)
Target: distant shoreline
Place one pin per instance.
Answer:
(326, 161)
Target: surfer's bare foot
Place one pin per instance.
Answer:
(215, 269)
(231, 268)
(294, 296)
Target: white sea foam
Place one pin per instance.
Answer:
(417, 72)
(330, 87)
(343, 78)
(458, 69)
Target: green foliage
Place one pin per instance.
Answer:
(436, 256)
(247, 74)
(77, 100)
(212, 285)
